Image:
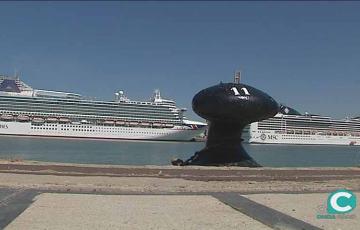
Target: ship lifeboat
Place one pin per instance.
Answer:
(84, 122)
(23, 118)
(7, 117)
(38, 120)
(109, 122)
(144, 124)
(156, 125)
(120, 123)
(169, 125)
(64, 120)
(133, 123)
(298, 132)
(51, 119)
(290, 131)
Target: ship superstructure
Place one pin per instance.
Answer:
(291, 127)
(32, 112)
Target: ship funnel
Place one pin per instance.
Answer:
(157, 96)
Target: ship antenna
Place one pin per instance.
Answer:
(237, 77)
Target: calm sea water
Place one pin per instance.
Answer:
(160, 153)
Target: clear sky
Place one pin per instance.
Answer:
(304, 54)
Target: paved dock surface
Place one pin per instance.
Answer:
(190, 198)
(29, 209)
(85, 211)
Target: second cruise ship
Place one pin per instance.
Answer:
(291, 127)
(25, 111)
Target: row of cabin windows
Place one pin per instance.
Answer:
(10, 103)
(43, 128)
(175, 121)
(298, 138)
(103, 106)
(82, 110)
(101, 113)
(88, 130)
(84, 103)
(83, 128)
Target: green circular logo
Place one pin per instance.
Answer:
(341, 201)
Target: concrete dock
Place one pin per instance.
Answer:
(35, 195)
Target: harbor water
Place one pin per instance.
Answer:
(161, 153)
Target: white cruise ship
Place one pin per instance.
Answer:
(290, 127)
(25, 111)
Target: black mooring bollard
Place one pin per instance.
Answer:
(229, 107)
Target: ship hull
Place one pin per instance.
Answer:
(304, 130)
(177, 133)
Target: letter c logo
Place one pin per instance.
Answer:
(334, 200)
(341, 201)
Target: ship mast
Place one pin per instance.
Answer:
(237, 77)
